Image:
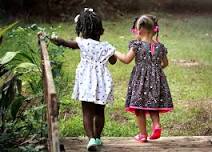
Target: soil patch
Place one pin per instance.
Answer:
(186, 63)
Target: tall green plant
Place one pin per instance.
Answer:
(18, 119)
(9, 82)
(5, 29)
(23, 116)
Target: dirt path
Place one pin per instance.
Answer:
(125, 144)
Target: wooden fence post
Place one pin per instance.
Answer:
(50, 98)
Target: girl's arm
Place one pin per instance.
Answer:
(164, 62)
(59, 41)
(126, 58)
(112, 59)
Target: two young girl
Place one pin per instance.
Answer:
(148, 91)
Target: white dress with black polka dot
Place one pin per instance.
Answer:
(93, 82)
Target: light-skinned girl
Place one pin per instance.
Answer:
(148, 90)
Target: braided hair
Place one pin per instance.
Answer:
(89, 25)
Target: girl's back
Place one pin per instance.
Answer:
(95, 51)
(93, 82)
(145, 56)
(148, 88)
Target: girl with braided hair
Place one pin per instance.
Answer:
(93, 83)
(148, 90)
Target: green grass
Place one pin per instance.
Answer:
(186, 37)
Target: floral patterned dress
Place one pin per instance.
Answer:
(93, 81)
(148, 88)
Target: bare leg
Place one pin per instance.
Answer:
(156, 130)
(99, 120)
(141, 121)
(88, 110)
(155, 118)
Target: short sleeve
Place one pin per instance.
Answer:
(79, 41)
(133, 44)
(84, 44)
(111, 49)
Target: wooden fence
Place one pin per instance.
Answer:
(50, 98)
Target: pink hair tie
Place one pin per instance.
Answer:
(156, 28)
(134, 31)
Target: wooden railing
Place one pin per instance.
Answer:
(50, 98)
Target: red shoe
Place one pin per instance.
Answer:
(155, 134)
(141, 138)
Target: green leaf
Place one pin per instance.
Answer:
(15, 106)
(9, 56)
(3, 30)
(27, 57)
(8, 92)
(26, 67)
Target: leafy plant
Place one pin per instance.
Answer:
(5, 29)
(20, 71)
(24, 116)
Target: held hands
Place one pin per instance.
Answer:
(113, 59)
(117, 53)
(125, 58)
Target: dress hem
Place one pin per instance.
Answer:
(161, 110)
(94, 101)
